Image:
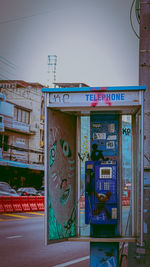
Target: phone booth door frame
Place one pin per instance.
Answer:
(82, 101)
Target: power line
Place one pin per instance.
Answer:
(2, 61)
(3, 76)
(29, 98)
(8, 61)
(21, 149)
(131, 22)
(6, 71)
(24, 17)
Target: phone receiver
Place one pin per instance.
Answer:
(89, 187)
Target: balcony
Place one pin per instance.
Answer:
(21, 157)
(17, 126)
(21, 126)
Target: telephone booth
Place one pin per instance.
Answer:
(94, 168)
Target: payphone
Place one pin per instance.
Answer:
(101, 177)
(105, 211)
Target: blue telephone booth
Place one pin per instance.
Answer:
(94, 164)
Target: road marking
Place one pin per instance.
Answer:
(18, 219)
(72, 262)
(14, 236)
(36, 213)
(18, 216)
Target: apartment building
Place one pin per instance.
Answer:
(21, 133)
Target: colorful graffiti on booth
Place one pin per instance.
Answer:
(61, 182)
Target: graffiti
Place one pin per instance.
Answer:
(65, 148)
(85, 148)
(53, 153)
(99, 96)
(126, 131)
(61, 177)
(71, 221)
(59, 98)
(83, 156)
(54, 133)
(104, 254)
(56, 230)
(61, 174)
(65, 188)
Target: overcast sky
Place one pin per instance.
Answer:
(93, 41)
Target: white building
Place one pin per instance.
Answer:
(21, 133)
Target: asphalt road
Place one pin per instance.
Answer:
(22, 244)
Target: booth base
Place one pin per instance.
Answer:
(104, 254)
(107, 251)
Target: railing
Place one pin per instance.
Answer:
(10, 123)
(21, 203)
(19, 154)
(21, 126)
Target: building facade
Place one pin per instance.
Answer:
(21, 133)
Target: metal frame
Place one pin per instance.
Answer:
(142, 167)
(92, 89)
(120, 173)
(101, 109)
(78, 142)
(133, 174)
(45, 175)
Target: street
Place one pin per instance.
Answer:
(22, 244)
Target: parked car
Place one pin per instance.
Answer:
(6, 190)
(41, 191)
(27, 191)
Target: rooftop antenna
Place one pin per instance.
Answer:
(52, 61)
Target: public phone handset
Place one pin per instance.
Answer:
(102, 198)
(90, 174)
(101, 192)
(97, 154)
(89, 177)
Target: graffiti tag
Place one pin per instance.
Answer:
(59, 98)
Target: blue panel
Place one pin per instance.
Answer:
(89, 89)
(105, 185)
(101, 193)
(6, 109)
(5, 162)
(104, 254)
(101, 176)
(104, 133)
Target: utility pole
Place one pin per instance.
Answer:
(52, 62)
(144, 73)
(144, 79)
(142, 8)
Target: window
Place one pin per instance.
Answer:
(21, 115)
(5, 147)
(27, 117)
(15, 113)
(1, 140)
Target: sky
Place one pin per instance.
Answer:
(92, 39)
